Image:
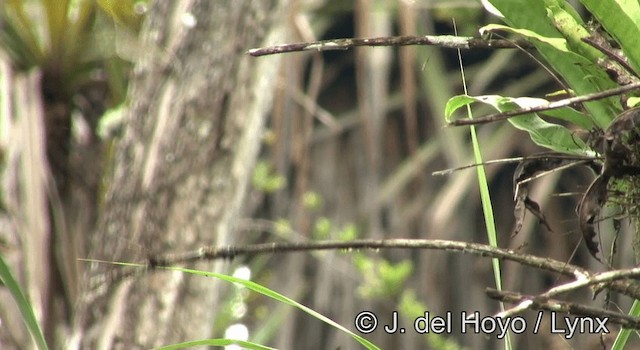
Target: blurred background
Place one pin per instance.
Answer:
(355, 136)
(350, 145)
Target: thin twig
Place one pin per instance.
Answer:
(540, 303)
(508, 161)
(598, 41)
(230, 252)
(580, 282)
(444, 41)
(551, 105)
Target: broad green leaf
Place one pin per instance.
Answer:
(455, 103)
(582, 75)
(24, 305)
(633, 102)
(557, 43)
(572, 116)
(573, 30)
(567, 114)
(621, 19)
(552, 136)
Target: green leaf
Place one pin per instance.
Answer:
(572, 116)
(557, 43)
(322, 228)
(567, 114)
(552, 136)
(621, 19)
(581, 73)
(571, 26)
(455, 103)
(24, 305)
(633, 102)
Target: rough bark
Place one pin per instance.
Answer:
(180, 169)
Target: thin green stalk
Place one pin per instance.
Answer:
(623, 335)
(485, 197)
(24, 305)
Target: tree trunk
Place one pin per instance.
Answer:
(180, 169)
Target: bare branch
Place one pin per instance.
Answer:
(230, 252)
(444, 41)
(540, 303)
(511, 160)
(581, 281)
(552, 105)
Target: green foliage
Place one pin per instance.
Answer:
(283, 228)
(111, 122)
(126, 13)
(312, 200)
(322, 228)
(382, 279)
(633, 102)
(557, 32)
(485, 198)
(621, 19)
(24, 305)
(266, 179)
(60, 36)
(623, 336)
(348, 233)
(556, 40)
(552, 136)
(275, 296)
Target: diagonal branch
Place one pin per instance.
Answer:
(540, 303)
(444, 41)
(601, 279)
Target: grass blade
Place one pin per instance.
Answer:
(217, 343)
(24, 305)
(485, 197)
(623, 336)
(276, 296)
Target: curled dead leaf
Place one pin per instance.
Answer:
(527, 170)
(588, 210)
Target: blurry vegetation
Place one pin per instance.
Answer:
(72, 47)
(265, 179)
(356, 161)
(66, 39)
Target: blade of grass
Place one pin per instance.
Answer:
(268, 293)
(485, 198)
(279, 297)
(217, 343)
(623, 335)
(24, 305)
